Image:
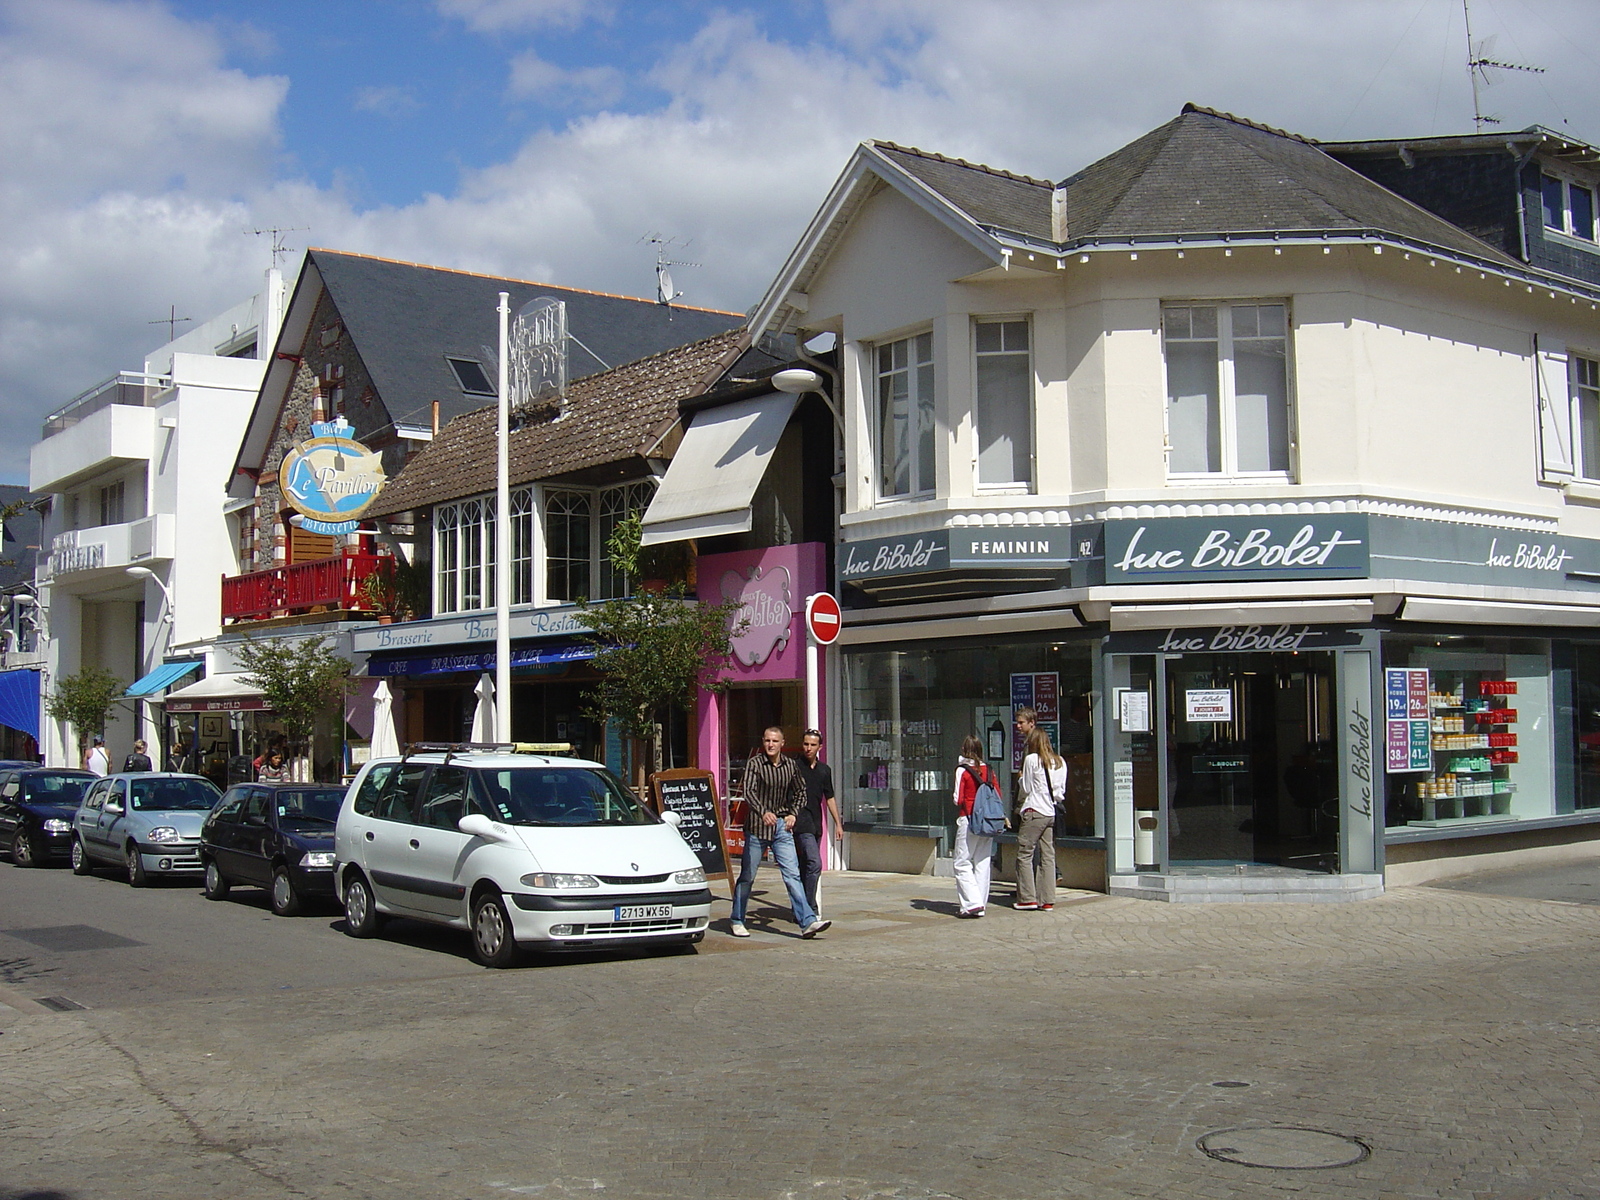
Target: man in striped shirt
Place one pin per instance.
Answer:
(774, 792)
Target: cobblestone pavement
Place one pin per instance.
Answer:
(903, 1055)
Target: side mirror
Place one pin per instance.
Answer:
(479, 826)
(114, 807)
(672, 818)
(10, 789)
(255, 819)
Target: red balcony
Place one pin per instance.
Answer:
(327, 585)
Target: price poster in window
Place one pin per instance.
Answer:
(1040, 691)
(1408, 743)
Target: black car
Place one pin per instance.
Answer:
(36, 808)
(273, 835)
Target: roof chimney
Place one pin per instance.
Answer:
(1058, 213)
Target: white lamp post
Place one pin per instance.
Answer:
(147, 573)
(502, 541)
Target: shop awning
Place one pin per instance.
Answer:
(477, 660)
(224, 692)
(19, 701)
(714, 475)
(161, 678)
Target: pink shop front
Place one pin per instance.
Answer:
(767, 681)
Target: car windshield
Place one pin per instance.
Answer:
(54, 789)
(560, 796)
(318, 806)
(164, 795)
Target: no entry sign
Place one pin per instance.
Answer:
(823, 618)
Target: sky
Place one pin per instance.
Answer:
(140, 140)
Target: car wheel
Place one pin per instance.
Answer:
(216, 886)
(22, 854)
(493, 943)
(361, 916)
(285, 900)
(135, 864)
(80, 858)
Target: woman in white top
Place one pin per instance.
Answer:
(1044, 785)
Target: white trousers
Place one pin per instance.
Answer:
(974, 857)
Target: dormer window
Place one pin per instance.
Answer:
(1569, 207)
(471, 377)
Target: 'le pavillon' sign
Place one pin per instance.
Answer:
(331, 479)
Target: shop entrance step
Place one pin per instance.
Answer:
(1252, 886)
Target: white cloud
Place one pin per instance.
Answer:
(386, 100)
(533, 78)
(135, 155)
(496, 16)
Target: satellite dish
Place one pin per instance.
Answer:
(664, 292)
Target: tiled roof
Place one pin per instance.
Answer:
(404, 318)
(1204, 172)
(988, 195)
(610, 417)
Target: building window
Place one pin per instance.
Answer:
(1227, 389)
(463, 554)
(567, 545)
(1003, 403)
(905, 416)
(1568, 207)
(111, 503)
(1585, 378)
(471, 377)
(615, 504)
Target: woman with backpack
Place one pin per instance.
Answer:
(1044, 785)
(973, 852)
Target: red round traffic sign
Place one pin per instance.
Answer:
(823, 618)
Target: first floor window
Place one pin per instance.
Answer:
(567, 546)
(1003, 403)
(905, 416)
(1227, 388)
(1585, 375)
(464, 553)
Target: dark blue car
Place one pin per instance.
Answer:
(273, 835)
(36, 808)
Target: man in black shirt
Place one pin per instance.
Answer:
(808, 826)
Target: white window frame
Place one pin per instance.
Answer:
(1567, 229)
(1229, 471)
(1027, 485)
(607, 507)
(464, 553)
(914, 401)
(1583, 383)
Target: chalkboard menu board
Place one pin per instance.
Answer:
(692, 795)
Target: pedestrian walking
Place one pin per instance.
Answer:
(974, 854)
(273, 770)
(138, 760)
(809, 827)
(97, 760)
(1044, 785)
(773, 793)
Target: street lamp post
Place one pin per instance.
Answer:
(141, 711)
(502, 540)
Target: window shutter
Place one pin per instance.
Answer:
(1556, 459)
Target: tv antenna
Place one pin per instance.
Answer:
(1479, 64)
(279, 250)
(665, 294)
(170, 321)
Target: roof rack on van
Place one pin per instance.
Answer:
(452, 748)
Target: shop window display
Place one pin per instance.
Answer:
(907, 712)
(1476, 740)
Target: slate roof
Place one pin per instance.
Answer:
(405, 317)
(20, 546)
(1202, 173)
(610, 417)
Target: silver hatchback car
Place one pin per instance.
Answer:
(148, 823)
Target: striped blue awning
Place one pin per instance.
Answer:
(161, 678)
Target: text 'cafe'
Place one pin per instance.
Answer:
(1346, 697)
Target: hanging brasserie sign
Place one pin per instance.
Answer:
(331, 479)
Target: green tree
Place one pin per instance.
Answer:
(299, 680)
(653, 649)
(83, 701)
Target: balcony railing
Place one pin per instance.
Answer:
(128, 387)
(327, 585)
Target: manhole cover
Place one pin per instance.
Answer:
(71, 937)
(1284, 1147)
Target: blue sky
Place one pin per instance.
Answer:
(543, 138)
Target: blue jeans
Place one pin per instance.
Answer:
(781, 843)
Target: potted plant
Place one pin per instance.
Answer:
(396, 590)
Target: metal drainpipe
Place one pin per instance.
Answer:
(1521, 161)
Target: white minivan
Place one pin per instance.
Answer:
(520, 849)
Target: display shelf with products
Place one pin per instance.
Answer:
(1469, 722)
(897, 756)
